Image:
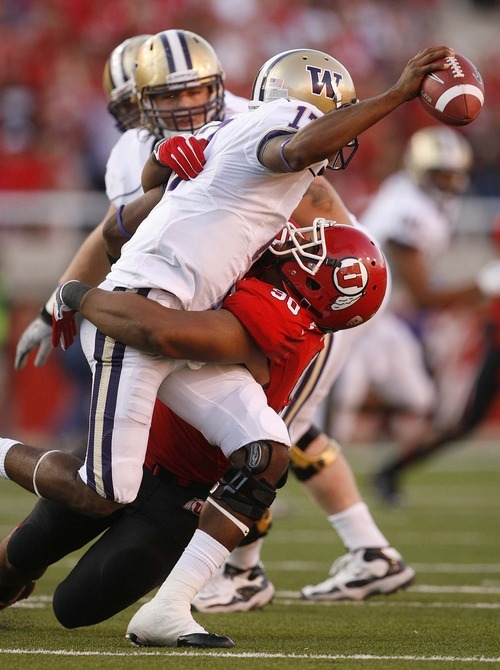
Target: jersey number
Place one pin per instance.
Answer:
(292, 305)
(300, 113)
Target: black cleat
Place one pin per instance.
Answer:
(205, 641)
(386, 487)
(19, 594)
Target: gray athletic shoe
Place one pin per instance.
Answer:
(235, 590)
(363, 573)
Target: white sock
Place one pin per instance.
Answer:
(357, 529)
(5, 444)
(246, 557)
(200, 560)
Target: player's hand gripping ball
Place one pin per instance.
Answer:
(454, 96)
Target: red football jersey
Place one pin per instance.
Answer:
(289, 338)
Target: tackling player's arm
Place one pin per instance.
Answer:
(214, 336)
(322, 138)
(154, 175)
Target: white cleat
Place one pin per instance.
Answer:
(156, 625)
(361, 574)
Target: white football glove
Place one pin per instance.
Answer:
(37, 334)
(488, 279)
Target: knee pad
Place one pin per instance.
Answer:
(241, 490)
(304, 467)
(258, 455)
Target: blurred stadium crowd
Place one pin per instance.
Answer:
(56, 134)
(54, 129)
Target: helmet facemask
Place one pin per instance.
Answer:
(306, 245)
(162, 122)
(123, 107)
(344, 156)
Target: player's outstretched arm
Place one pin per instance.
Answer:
(324, 137)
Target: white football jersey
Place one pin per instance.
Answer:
(130, 153)
(403, 212)
(125, 164)
(206, 233)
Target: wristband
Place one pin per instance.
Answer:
(46, 311)
(45, 316)
(154, 155)
(282, 154)
(121, 228)
(72, 294)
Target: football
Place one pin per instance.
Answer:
(454, 96)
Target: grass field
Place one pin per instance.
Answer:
(450, 618)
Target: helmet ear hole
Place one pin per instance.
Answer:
(312, 284)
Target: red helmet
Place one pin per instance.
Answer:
(345, 285)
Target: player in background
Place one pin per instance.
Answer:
(90, 264)
(480, 399)
(118, 83)
(413, 216)
(155, 110)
